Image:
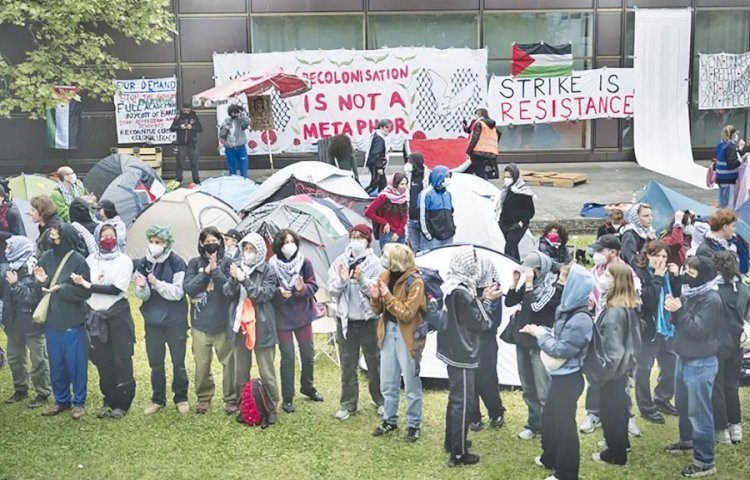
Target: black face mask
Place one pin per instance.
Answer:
(690, 281)
(211, 248)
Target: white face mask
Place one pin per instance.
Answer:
(155, 250)
(72, 178)
(289, 250)
(605, 283)
(600, 258)
(408, 168)
(357, 246)
(508, 182)
(249, 258)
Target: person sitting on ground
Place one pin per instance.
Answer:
(436, 210)
(554, 244)
(106, 213)
(68, 189)
(614, 225)
(389, 211)
(637, 232)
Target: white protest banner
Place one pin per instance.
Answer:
(724, 81)
(424, 92)
(144, 110)
(587, 94)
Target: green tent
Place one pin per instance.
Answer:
(27, 186)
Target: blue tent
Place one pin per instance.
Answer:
(235, 190)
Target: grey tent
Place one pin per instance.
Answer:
(24, 207)
(109, 168)
(130, 194)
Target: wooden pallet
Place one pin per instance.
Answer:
(554, 179)
(151, 156)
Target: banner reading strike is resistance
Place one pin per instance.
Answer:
(144, 110)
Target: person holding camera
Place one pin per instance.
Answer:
(232, 133)
(187, 126)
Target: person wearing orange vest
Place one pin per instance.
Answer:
(483, 145)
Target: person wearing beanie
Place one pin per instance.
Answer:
(11, 222)
(158, 283)
(377, 158)
(106, 213)
(349, 277)
(389, 211)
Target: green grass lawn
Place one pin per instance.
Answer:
(309, 444)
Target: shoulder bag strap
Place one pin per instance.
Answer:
(56, 276)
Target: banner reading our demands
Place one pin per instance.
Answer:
(424, 92)
(145, 109)
(587, 94)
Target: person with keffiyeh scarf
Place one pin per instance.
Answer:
(723, 225)
(536, 288)
(349, 277)
(516, 209)
(68, 189)
(637, 232)
(294, 301)
(389, 211)
(25, 338)
(252, 320)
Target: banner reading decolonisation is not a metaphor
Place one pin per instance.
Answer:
(145, 109)
(423, 92)
(585, 95)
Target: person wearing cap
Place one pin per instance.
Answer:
(11, 222)
(231, 249)
(377, 158)
(106, 213)
(187, 126)
(349, 277)
(68, 189)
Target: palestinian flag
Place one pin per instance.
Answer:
(541, 60)
(64, 122)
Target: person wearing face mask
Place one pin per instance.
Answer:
(398, 297)
(232, 132)
(349, 277)
(458, 347)
(158, 282)
(537, 289)
(294, 301)
(389, 211)
(80, 218)
(614, 225)
(695, 315)
(436, 210)
(418, 175)
(516, 206)
(110, 323)
(727, 159)
(25, 338)
(252, 323)
(723, 224)
(106, 213)
(554, 244)
(659, 278)
(231, 247)
(377, 158)
(66, 318)
(206, 281)
(637, 232)
(483, 145)
(68, 189)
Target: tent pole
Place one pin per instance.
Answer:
(270, 154)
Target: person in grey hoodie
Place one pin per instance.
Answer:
(232, 133)
(567, 342)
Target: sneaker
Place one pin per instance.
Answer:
(104, 412)
(183, 408)
(152, 408)
(654, 417)
(465, 459)
(383, 429)
(633, 429)
(694, 471)
(288, 407)
(605, 457)
(735, 432)
(538, 462)
(552, 477)
(602, 444)
(17, 397)
(381, 411)
(527, 434)
(722, 437)
(412, 434)
(118, 413)
(54, 410)
(497, 422)
(476, 426)
(678, 449)
(231, 408)
(343, 414)
(590, 424)
(202, 407)
(315, 396)
(666, 408)
(77, 413)
(38, 401)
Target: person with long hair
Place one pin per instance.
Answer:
(614, 225)
(341, 150)
(44, 214)
(389, 211)
(619, 325)
(727, 163)
(516, 205)
(294, 302)
(658, 280)
(735, 300)
(554, 244)
(723, 225)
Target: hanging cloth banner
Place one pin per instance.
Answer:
(145, 109)
(423, 92)
(724, 81)
(586, 94)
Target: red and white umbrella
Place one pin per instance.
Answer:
(286, 84)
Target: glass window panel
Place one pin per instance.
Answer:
(308, 32)
(438, 30)
(545, 136)
(502, 29)
(629, 33)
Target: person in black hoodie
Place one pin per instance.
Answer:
(483, 145)
(418, 175)
(11, 222)
(516, 209)
(458, 347)
(80, 218)
(66, 318)
(538, 291)
(187, 127)
(207, 282)
(696, 322)
(735, 299)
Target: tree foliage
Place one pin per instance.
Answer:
(71, 46)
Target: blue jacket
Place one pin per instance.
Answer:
(436, 207)
(727, 164)
(571, 335)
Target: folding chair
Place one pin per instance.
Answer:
(324, 326)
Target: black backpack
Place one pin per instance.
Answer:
(435, 315)
(597, 366)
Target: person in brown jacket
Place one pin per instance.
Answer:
(399, 298)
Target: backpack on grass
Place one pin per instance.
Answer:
(254, 404)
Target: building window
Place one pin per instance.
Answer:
(306, 32)
(423, 30)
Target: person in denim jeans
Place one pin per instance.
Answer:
(399, 298)
(232, 132)
(418, 175)
(695, 317)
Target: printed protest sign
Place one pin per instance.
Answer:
(145, 109)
